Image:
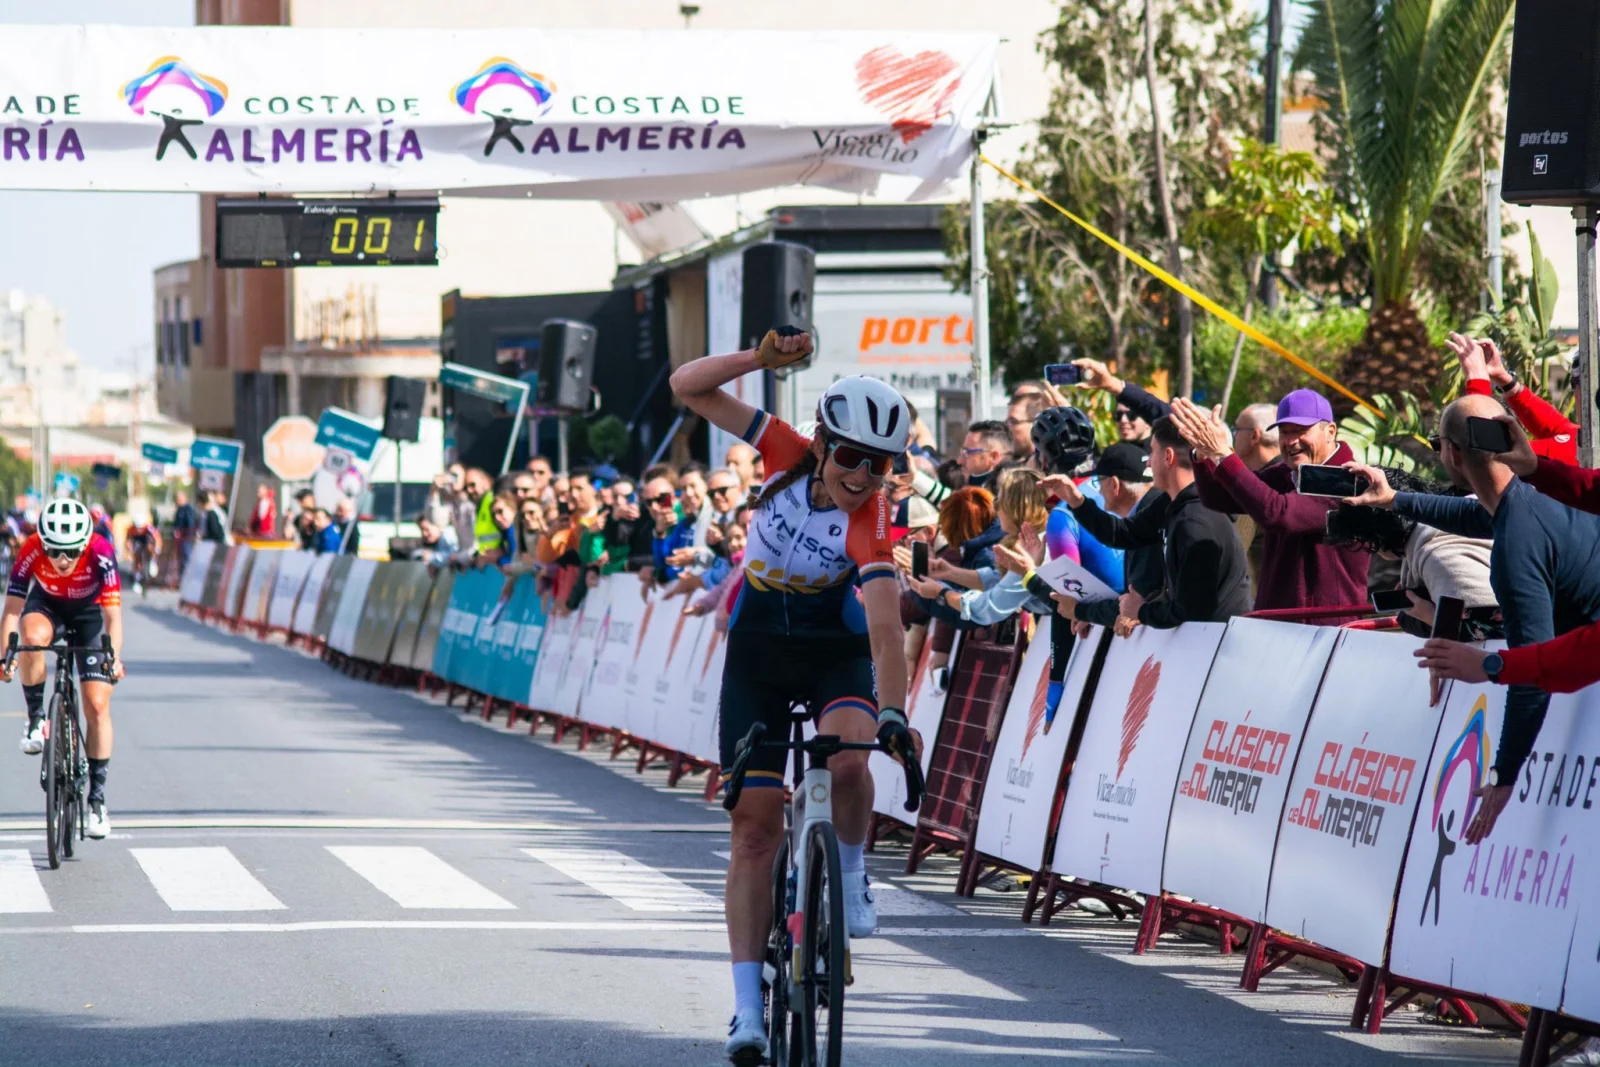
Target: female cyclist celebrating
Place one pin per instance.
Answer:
(801, 632)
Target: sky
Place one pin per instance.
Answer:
(91, 254)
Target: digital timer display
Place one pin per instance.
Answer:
(386, 232)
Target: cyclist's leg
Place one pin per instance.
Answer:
(847, 696)
(37, 627)
(94, 684)
(749, 695)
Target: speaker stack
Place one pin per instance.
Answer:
(566, 364)
(779, 283)
(402, 408)
(1552, 153)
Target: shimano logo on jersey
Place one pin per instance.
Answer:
(1542, 137)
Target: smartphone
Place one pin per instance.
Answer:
(1389, 601)
(1488, 435)
(1062, 374)
(1448, 613)
(1317, 479)
(919, 559)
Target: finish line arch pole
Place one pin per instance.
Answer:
(979, 284)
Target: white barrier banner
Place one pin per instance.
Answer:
(924, 713)
(675, 727)
(1114, 824)
(1354, 791)
(1020, 790)
(1498, 917)
(605, 701)
(258, 590)
(705, 693)
(192, 585)
(548, 671)
(658, 629)
(1235, 771)
(291, 578)
(590, 114)
(305, 609)
(590, 618)
(352, 603)
(233, 596)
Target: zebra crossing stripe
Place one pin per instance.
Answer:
(624, 879)
(20, 888)
(413, 877)
(203, 879)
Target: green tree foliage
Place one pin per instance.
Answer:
(1056, 290)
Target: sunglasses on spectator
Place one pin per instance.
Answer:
(852, 458)
(1123, 415)
(722, 490)
(663, 500)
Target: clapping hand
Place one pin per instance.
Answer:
(1030, 542)
(1205, 431)
(680, 557)
(1012, 559)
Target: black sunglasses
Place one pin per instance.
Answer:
(1123, 415)
(723, 490)
(662, 500)
(63, 553)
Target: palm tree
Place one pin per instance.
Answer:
(1403, 81)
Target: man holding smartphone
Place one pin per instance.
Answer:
(1544, 569)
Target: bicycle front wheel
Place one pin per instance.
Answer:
(57, 752)
(824, 952)
(776, 969)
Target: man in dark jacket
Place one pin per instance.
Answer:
(1137, 408)
(1120, 469)
(1297, 569)
(1204, 573)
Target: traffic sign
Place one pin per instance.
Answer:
(67, 484)
(107, 472)
(158, 454)
(290, 450)
(508, 391)
(339, 429)
(215, 454)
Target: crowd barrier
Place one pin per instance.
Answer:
(1287, 784)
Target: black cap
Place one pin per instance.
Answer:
(1124, 460)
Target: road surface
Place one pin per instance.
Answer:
(309, 870)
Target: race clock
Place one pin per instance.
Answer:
(327, 232)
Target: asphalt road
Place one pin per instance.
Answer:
(310, 870)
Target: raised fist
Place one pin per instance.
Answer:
(783, 346)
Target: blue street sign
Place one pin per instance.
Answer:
(215, 454)
(66, 484)
(338, 430)
(158, 454)
(507, 391)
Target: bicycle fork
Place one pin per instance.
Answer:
(813, 804)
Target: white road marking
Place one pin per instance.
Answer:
(20, 888)
(203, 879)
(415, 878)
(624, 879)
(626, 926)
(295, 822)
(893, 900)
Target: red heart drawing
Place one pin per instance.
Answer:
(1139, 700)
(914, 91)
(1036, 711)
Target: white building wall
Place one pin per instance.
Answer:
(505, 248)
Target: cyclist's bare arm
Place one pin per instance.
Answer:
(9, 623)
(882, 602)
(113, 616)
(699, 385)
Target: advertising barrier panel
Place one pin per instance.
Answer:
(375, 627)
(605, 701)
(217, 577)
(286, 585)
(238, 579)
(1498, 917)
(427, 643)
(1235, 770)
(413, 605)
(308, 607)
(675, 727)
(590, 618)
(192, 586)
(704, 692)
(530, 637)
(1354, 791)
(352, 604)
(559, 631)
(477, 594)
(258, 588)
(1114, 823)
(658, 630)
(1020, 792)
(332, 597)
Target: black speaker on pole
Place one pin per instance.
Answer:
(566, 363)
(1552, 153)
(779, 282)
(402, 408)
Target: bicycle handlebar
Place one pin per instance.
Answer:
(13, 647)
(827, 744)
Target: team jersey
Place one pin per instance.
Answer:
(802, 564)
(93, 578)
(1065, 537)
(141, 533)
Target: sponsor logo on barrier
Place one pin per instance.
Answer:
(1246, 755)
(1370, 779)
(1140, 698)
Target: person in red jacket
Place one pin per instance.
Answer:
(1563, 664)
(1553, 434)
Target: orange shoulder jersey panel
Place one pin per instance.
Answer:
(780, 446)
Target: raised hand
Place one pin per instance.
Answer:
(783, 346)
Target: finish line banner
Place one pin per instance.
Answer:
(606, 115)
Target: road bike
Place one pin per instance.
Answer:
(64, 770)
(807, 965)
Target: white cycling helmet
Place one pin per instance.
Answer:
(867, 412)
(65, 525)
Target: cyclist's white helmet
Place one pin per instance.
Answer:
(65, 525)
(867, 412)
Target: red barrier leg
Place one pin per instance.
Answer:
(1369, 978)
(1254, 957)
(1377, 1005)
(1150, 924)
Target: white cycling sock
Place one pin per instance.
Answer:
(852, 857)
(747, 988)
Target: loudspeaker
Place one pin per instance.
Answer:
(566, 363)
(402, 408)
(1552, 151)
(779, 280)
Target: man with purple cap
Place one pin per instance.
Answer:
(1297, 569)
